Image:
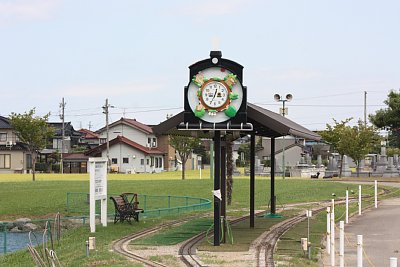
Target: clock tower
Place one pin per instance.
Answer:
(215, 93)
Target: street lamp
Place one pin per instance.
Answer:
(279, 98)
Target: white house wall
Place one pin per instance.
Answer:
(120, 151)
(17, 161)
(128, 132)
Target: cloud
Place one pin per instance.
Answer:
(25, 10)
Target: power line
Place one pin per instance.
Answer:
(323, 96)
(323, 105)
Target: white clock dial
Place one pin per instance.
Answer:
(214, 95)
(202, 101)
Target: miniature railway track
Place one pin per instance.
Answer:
(263, 250)
(121, 245)
(187, 251)
(263, 253)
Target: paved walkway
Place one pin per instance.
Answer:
(380, 228)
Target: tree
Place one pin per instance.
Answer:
(336, 136)
(33, 131)
(184, 146)
(362, 139)
(390, 116)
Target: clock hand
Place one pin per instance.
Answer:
(214, 95)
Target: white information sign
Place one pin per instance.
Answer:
(98, 190)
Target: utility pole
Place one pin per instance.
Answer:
(279, 98)
(62, 107)
(365, 108)
(90, 125)
(106, 112)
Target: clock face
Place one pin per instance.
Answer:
(214, 95)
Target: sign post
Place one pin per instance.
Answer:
(98, 190)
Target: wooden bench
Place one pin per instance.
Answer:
(126, 209)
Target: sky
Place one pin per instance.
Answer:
(136, 54)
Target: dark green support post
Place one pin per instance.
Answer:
(212, 159)
(273, 214)
(217, 186)
(223, 189)
(252, 176)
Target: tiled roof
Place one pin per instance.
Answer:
(74, 156)
(69, 129)
(4, 123)
(131, 122)
(124, 140)
(88, 134)
(139, 125)
(17, 146)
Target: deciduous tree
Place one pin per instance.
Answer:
(361, 141)
(389, 117)
(33, 131)
(335, 135)
(184, 146)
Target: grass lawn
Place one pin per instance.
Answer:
(20, 197)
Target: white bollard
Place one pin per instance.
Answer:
(341, 244)
(393, 262)
(347, 206)
(359, 250)
(359, 200)
(328, 230)
(376, 193)
(333, 233)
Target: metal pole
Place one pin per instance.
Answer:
(359, 200)
(341, 244)
(283, 147)
(217, 187)
(309, 214)
(273, 202)
(62, 106)
(365, 108)
(376, 193)
(212, 159)
(347, 206)
(252, 176)
(393, 262)
(333, 233)
(359, 250)
(223, 190)
(87, 248)
(105, 108)
(328, 230)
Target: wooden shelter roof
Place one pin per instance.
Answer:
(265, 123)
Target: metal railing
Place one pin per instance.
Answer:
(152, 205)
(78, 203)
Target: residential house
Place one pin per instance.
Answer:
(89, 139)
(75, 163)
(290, 147)
(14, 156)
(71, 138)
(133, 147)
